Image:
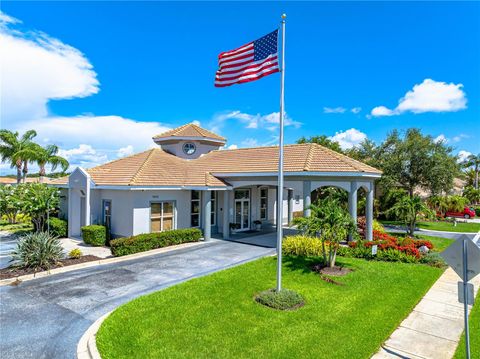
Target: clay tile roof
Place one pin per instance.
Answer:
(190, 130)
(156, 167)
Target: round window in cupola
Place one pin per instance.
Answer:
(189, 148)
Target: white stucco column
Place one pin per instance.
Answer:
(226, 214)
(352, 202)
(369, 215)
(70, 212)
(207, 217)
(307, 199)
(290, 207)
(87, 202)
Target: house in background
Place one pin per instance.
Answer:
(189, 181)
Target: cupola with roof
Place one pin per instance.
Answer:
(189, 141)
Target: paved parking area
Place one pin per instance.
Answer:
(45, 318)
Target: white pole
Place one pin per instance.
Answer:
(280, 166)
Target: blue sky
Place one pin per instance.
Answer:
(99, 78)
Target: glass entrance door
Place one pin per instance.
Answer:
(242, 209)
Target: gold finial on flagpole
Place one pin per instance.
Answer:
(284, 16)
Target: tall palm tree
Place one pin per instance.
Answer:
(473, 161)
(11, 148)
(49, 155)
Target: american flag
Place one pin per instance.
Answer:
(249, 62)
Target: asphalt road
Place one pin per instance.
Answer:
(46, 317)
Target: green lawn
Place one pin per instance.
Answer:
(216, 316)
(442, 226)
(474, 324)
(17, 228)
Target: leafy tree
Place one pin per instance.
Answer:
(473, 161)
(324, 141)
(417, 161)
(10, 202)
(456, 203)
(472, 194)
(408, 210)
(438, 204)
(38, 200)
(11, 148)
(49, 155)
(366, 152)
(331, 222)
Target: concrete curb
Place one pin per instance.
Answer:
(87, 346)
(27, 277)
(432, 230)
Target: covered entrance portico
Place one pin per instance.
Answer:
(250, 200)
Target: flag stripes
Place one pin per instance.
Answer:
(249, 62)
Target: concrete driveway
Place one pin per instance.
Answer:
(45, 318)
(8, 243)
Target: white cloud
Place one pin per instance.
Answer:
(429, 96)
(349, 138)
(334, 110)
(462, 155)
(459, 137)
(356, 110)
(84, 155)
(232, 147)
(36, 68)
(441, 138)
(125, 151)
(269, 121)
(250, 142)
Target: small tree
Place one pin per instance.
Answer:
(38, 201)
(408, 209)
(10, 202)
(472, 194)
(331, 223)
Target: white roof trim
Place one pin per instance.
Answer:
(164, 188)
(188, 138)
(306, 174)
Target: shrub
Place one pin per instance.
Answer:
(433, 259)
(37, 250)
(75, 253)
(302, 246)
(58, 227)
(148, 241)
(94, 235)
(284, 300)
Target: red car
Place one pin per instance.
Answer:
(467, 213)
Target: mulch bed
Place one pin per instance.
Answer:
(12, 272)
(325, 271)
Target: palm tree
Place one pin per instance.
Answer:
(473, 161)
(17, 150)
(49, 155)
(408, 209)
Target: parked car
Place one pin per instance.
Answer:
(466, 213)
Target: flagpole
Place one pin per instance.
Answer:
(280, 165)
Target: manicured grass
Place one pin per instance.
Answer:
(17, 228)
(442, 226)
(474, 324)
(217, 317)
(439, 243)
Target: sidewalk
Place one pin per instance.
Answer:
(434, 327)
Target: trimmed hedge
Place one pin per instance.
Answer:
(148, 241)
(94, 235)
(58, 227)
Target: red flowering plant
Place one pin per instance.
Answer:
(386, 241)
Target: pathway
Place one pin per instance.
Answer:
(46, 317)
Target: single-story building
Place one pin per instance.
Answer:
(189, 181)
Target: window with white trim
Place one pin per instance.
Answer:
(195, 209)
(162, 216)
(264, 203)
